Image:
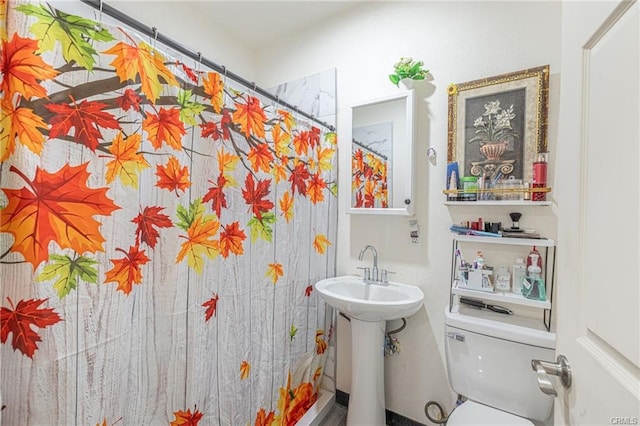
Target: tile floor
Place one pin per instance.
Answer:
(336, 417)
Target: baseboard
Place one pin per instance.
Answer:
(392, 419)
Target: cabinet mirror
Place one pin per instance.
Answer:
(382, 133)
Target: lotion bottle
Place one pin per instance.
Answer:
(519, 272)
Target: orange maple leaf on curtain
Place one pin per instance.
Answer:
(274, 272)
(245, 367)
(279, 170)
(250, 117)
(281, 140)
(21, 123)
(293, 403)
(260, 157)
(288, 118)
(18, 321)
(86, 117)
(216, 195)
(301, 143)
(186, 418)
(172, 176)
(254, 193)
(148, 220)
(199, 242)
(264, 419)
(231, 238)
(128, 162)
(22, 69)
(210, 129)
(129, 99)
(145, 62)
(286, 206)
(165, 127)
(320, 243)
(214, 87)
(314, 137)
(298, 179)
(315, 187)
(126, 271)
(227, 163)
(211, 306)
(55, 207)
(321, 345)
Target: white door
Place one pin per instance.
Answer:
(596, 188)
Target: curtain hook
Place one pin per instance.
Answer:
(198, 66)
(155, 37)
(100, 15)
(224, 74)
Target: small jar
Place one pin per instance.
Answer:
(469, 188)
(503, 279)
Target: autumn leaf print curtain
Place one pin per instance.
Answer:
(161, 231)
(369, 183)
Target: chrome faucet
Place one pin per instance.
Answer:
(374, 271)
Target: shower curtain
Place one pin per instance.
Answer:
(161, 231)
(369, 185)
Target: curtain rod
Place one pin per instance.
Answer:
(197, 56)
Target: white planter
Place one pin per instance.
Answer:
(407, 83)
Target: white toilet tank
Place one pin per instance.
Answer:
(489, 362)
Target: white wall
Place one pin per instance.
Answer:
(183, 22)
(458, 42)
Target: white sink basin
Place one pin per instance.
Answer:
(370, 302)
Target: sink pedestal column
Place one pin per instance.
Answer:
(366, 401)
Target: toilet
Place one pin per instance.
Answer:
(489, 363)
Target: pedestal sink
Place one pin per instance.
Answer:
(369, 306)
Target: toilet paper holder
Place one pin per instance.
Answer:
(560, 368)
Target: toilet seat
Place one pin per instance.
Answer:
(473, 414)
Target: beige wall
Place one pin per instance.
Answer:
(459, 41)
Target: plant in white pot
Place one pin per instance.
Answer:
(407, 70)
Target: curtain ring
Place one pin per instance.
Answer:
(155, 36)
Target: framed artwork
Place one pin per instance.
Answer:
(498, 125)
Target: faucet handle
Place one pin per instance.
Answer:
(366, 272)
(384, 275)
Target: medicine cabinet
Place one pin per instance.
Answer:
(381, 132)
(503, 250)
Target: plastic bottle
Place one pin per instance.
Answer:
(519, 272)
(534, 258)
(503, 279)
(479, 262)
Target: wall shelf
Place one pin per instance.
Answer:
(513, 298)
(498, 203)
(548, 250)
(540, 242)
(483, 197)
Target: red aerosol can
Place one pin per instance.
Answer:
(540, 176)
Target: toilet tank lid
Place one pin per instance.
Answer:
(473, 414)
(500, 329)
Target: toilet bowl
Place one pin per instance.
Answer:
(489, 363)
(471, 413)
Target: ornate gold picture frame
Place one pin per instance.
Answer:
(498, 124)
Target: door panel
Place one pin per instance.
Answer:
(598, 198)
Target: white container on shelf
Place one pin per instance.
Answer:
(518, 273)
(503, 279)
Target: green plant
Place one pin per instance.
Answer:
(408, 68)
